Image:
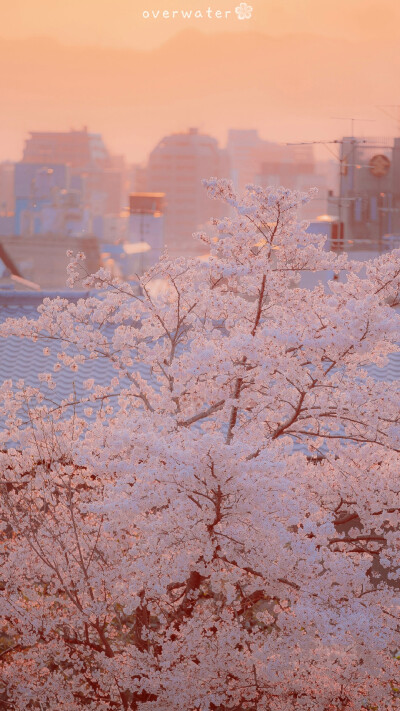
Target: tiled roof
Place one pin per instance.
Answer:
(21, 358)
(389, 372)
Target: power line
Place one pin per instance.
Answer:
(342, 161)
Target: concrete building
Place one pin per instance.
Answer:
(81, 150)
(369, 194)
(176, 167)
(93, 170)
(136, 178)
(244, 146)
(64, 216)
(46, 204)
(34, 187)
(113, 229)
(266, 163)
(251, 157)
(137, 242)
(145, 241)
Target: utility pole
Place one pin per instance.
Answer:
(343, 162)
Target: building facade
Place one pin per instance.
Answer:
(176, 167)
(35, 186)
(266, 163)
(369, 196)
(146, 225)
(81, 150)
(98, 175)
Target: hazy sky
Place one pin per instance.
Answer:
(290, 70)
(120, 23)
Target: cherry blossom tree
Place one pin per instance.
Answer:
(224, 533)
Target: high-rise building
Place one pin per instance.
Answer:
(176, 167)
(34, 186)
(80, 150)
(97, 174)
(244, 153)
(136, 178)
(266, 163)
(251, 158)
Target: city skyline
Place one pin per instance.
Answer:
(296, 70)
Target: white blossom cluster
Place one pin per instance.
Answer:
(171, 549)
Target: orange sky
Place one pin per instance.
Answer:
(117, 23)
(288, 71)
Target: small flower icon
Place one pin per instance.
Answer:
(244, 11)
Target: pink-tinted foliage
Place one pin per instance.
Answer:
(225, 537)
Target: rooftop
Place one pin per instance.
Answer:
(22, 359)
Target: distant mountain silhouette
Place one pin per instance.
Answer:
(288, 87)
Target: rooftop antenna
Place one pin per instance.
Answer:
(352, 120)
